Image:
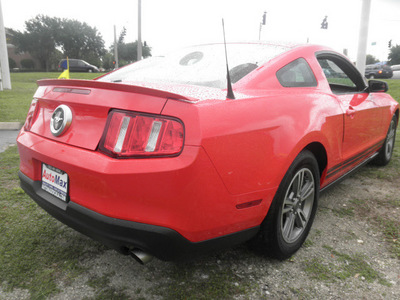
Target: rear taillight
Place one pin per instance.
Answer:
(32, 114)
(129, 134)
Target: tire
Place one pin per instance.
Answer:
(386, 152)
(292, 211)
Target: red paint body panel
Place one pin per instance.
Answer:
(235, 151)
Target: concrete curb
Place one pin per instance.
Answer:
(10, 125)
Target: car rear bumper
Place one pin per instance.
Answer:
(121, 235)
(183, 193)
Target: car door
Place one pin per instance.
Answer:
(362, 117)
(81, 66)
(73, 65)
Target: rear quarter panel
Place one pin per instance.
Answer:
(253, 141)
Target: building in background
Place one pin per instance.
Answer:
(19, 60)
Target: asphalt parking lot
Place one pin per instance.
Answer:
(8, 134)
(7, 138)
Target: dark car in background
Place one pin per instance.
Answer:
(77, 65)
(378, 71)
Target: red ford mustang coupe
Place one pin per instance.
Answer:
(170, 156)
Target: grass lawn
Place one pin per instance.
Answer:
(14, 103)
(35, 250)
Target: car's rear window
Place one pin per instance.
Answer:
(200, 65)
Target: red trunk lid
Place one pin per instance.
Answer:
(90, 103)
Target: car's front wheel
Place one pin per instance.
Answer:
(386, 152)
(293, 209)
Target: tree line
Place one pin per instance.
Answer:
(393, 57)
(49, 39)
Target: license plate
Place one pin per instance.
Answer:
(55, 182)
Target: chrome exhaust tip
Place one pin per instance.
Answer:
(140, 256)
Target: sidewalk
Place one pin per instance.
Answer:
(10, 126)
(8, 134)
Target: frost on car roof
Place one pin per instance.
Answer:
(203, 65)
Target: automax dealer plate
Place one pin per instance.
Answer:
(55, 181)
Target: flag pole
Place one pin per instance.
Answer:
(139, 42)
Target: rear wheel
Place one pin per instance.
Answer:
(386, 152)
(293, 209)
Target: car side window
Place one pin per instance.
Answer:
(296, 74)
(72, 63)
(341, 74)
(334, 74)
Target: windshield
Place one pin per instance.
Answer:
(199, 65)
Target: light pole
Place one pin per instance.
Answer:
(5, 81)
(363, 36)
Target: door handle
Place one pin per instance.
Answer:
(350, 112)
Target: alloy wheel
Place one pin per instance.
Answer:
(297, 205)
(390, 140)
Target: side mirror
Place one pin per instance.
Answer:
(377, 86)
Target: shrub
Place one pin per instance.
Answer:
(27, 63)
(11, 63)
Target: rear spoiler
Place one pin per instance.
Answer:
(113, 86)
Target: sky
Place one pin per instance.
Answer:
(171, 24)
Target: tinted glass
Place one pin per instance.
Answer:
(297, 74)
